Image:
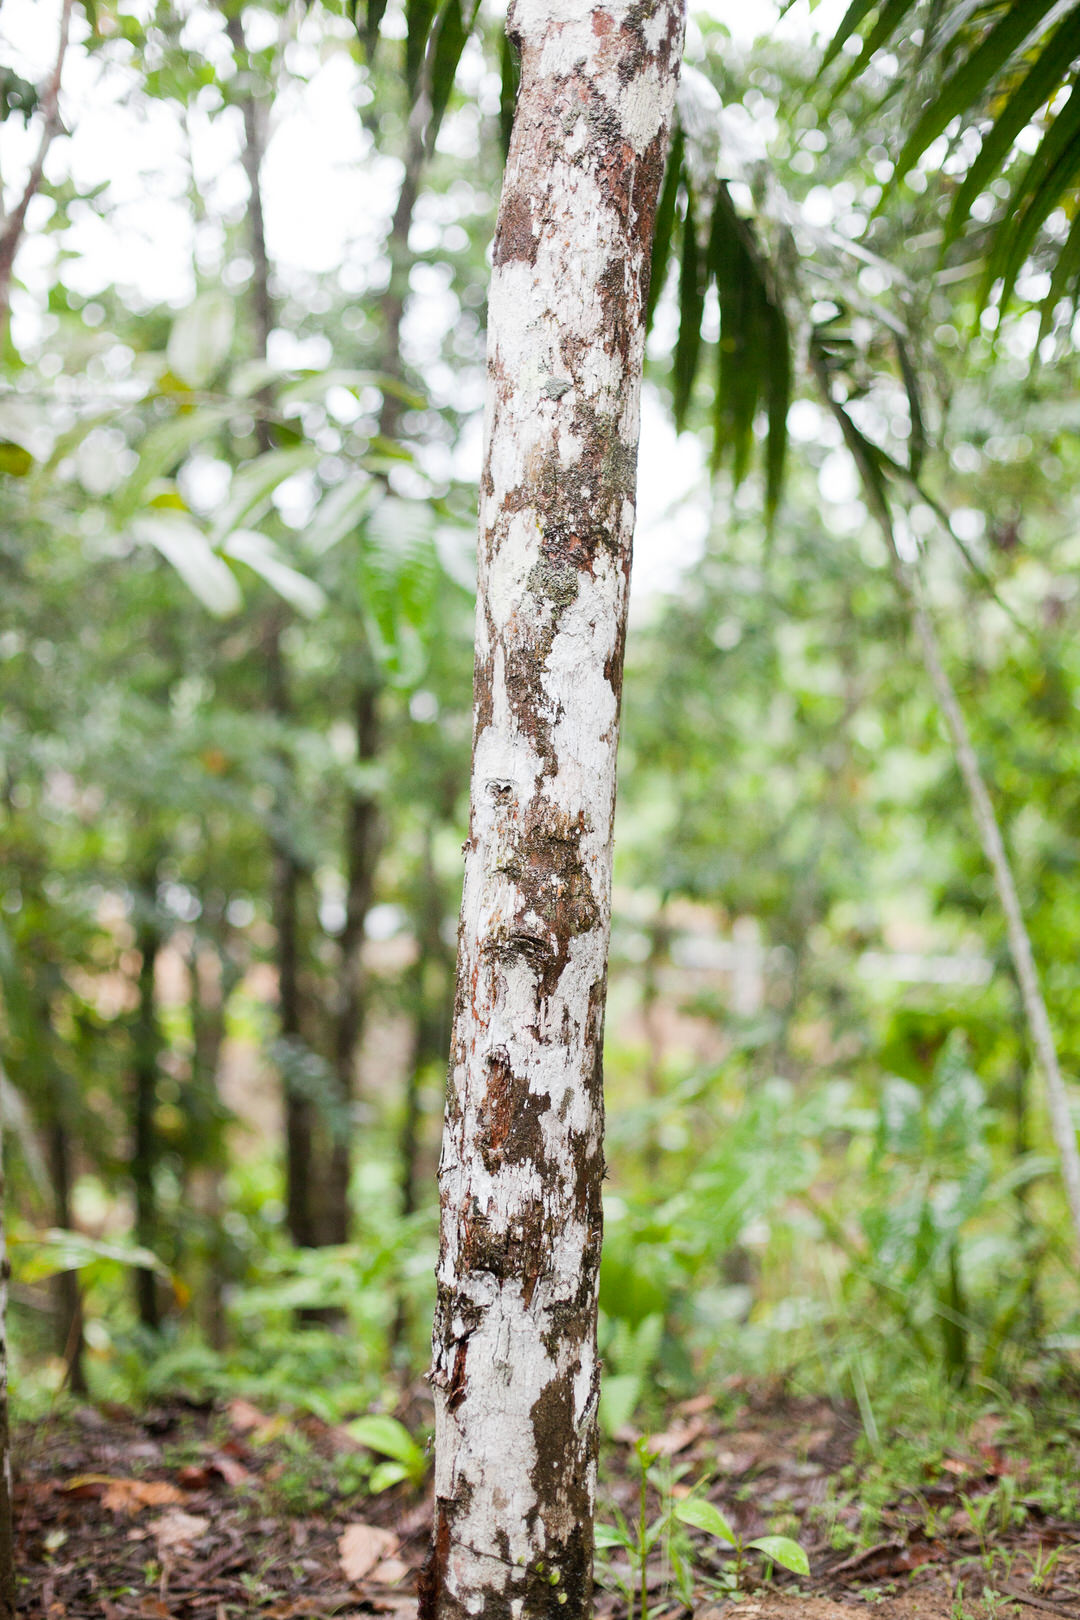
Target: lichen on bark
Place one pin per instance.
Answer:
(515, 1371)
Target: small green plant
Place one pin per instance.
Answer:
(979, 1512)
(639, 1539)
(1043, 1565)
(702, 1515)
(406, 1458)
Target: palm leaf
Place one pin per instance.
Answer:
(1044, 182)
(1044, 77)
(451, 33)
(850, 21)
(1066, 275)
(691, 308)
(373, 16)
(966, 87)
(890, 17)
(419, 21)
(510, 78)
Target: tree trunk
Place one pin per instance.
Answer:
(67, 1295)
(515, 1372)
(212, 978)
(7, 1529)
(144, 1074)
(286, 874)
(362, 844)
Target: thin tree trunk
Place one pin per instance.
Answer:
(144, 1077)
(362, 839)
(7, 1528)
(651, 1017)
(285, 877)
(66, 1291)
(993, 845)
(431, 980)
(515, 1372)
(211, 982)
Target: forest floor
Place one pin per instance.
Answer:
(187, 1514)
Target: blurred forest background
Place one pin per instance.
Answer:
(240, 413)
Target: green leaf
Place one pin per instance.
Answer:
(254, 484)
(1042, 186)
(510, 78)
(973, 78)
(163, 448)
(339, 513)
(607, 1535)
(261, 554)
(1066, 273)
(46, 1253)
(373, 16)
(619, 1396)
(777, 403)
(703, 1515)
(385, 1474)
(380, 1432)
(205, 574)
(419, 18)
(1020, 108)
(849, 22)
(913, 389)
(691, 307)
(782, 1550)
(453, 31)
(200, 339)
(14, 459)
(888, 21)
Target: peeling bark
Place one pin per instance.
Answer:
(515, 1371)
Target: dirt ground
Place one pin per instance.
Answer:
(186, 1514)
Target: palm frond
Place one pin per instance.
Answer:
(994, 66)
(753, 365)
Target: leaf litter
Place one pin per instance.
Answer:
(187, 1514)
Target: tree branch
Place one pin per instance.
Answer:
(12, 232)
(986, 821)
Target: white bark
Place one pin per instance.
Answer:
(515, 1371)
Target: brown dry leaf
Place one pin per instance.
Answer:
(132, 1495)
(231, 1471)
(245, 1418)
(390, 1571)
(177, 1530)
(362, 1546)
(677, 1438)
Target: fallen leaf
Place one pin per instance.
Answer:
(390, 1571)
(677, 1438)
(231, 1471)
(362, 1546)
(132, 1495)
(244, 1417)
(177, 1530)
(125, 1495)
